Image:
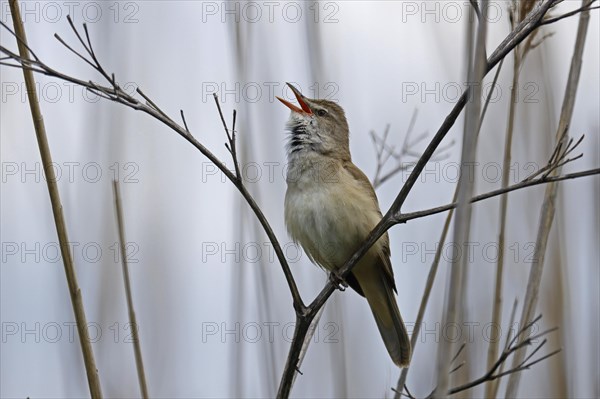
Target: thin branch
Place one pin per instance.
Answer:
(533, 45)
(495, 372)
(216, 97)
(114, 93)
(510, 323)
(74, 29)
(559, 157)
(405, 217)
(21, 39)
(230, 145)
(491, 374)
(489, 97)
(521, 31)
(409, 130)
(384, 152)
(408, 394)
(523, 331)
(458, 352)
(559, 145)
(561, 164)
(78, 54)
(486, 378)
(234, 147)
(457, 367)
(184, 121)
(57, 209)
(152, 104)
(534, 352)
(139, 363)
(571, 13)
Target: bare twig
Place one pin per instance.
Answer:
(489, 97)
(494, 372)
(510, 323)
(384, 152)
(514, 346)
(57, 210)
(139, 363)
(184, 121)
(492, 386)
(436, 261)
(408, 394)
(559, 156)
(150, 103)
(458, 352)
(116, 94)
(405, 217)
(231, 144)
(587, 7)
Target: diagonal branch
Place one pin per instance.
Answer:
(114, 93)
(405, 217)
(587, 7)
(519, 33)
(527, 26)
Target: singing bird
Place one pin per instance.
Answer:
(331, 207)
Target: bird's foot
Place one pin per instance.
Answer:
(338, 281)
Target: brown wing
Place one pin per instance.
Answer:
(364, 182)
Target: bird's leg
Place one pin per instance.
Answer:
(337, 280)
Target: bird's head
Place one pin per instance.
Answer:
(317, 125)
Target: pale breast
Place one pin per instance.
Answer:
(329, 219)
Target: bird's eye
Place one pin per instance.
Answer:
(321, 112)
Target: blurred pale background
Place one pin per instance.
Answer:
(213, 307)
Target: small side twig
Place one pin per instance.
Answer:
(384, 152)
(493, 373)
(231, 144)
(184, 122)
(559, 156)
(405, 217)
(587, 7)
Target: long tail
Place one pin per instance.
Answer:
(382, 301)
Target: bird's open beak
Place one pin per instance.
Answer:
(305, 108)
